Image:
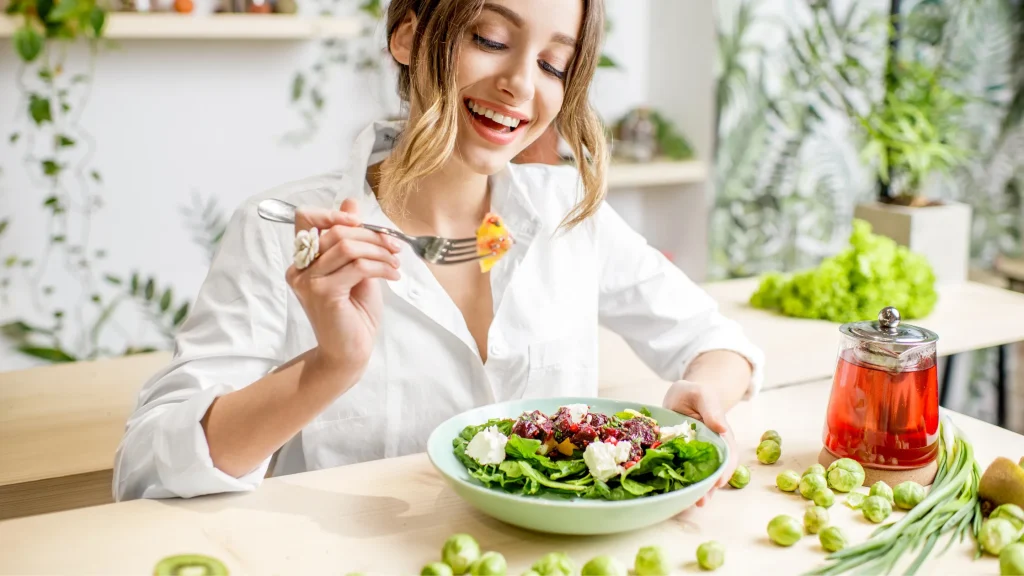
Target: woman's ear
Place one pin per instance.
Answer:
(401, 39)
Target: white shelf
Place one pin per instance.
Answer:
(173, 26)
(666, 173)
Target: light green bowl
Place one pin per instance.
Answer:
(556, 514)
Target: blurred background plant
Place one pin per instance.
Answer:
(803, 133)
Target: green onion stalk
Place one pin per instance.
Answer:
(951, 508)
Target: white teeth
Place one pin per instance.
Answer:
(499, 118)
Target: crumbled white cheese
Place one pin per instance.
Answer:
(488, 446)
(684, 430)
(603, 460)
(577, 412)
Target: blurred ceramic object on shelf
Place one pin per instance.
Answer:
(183, 6)
(286, 7)
(638, 136)
(258, 7)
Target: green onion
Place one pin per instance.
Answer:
(951, 508)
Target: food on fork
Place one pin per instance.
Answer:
(492, 241)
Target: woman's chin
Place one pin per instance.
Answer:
(485, 160)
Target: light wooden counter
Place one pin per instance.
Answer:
(968, 316)
(59, 427)
(391, 516)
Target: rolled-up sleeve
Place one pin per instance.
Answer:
(665, 317)
(231, 338)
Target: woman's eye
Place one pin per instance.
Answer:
(560, 74)
(488, 44)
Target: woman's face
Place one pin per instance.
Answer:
(511, 77)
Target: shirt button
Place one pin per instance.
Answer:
(414, 293)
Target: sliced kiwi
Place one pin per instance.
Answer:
(190, 565)
(1003, 483)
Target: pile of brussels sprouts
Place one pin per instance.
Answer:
(461, 554)
(819, 485)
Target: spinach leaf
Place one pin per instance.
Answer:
(568, 468)
(669, 473)
(634, 487)
(529, 472)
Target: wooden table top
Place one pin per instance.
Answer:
(392, 516)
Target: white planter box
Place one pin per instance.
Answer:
(941, 233)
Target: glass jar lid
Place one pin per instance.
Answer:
(889, 329)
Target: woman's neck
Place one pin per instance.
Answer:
(450, 202)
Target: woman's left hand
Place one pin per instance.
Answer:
(702, 402)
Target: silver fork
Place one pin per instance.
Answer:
(433, 249)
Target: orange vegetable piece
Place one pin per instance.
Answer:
(566, 447)
(492, 239)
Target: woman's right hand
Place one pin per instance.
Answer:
(339, 290)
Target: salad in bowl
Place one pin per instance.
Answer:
(577, 465)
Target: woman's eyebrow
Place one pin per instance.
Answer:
(517, 21)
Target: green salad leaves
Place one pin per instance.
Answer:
(663, 467)
(855, 284)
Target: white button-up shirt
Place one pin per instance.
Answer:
(551, 291)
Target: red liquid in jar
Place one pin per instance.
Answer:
(881, 419)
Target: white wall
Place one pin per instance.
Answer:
(173, 118)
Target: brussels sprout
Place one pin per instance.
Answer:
(815, 518)
(882, 489)
(823, 497)
(814, 469)
(554, 564)
(1011, 560)
(436, 569)
(459, 552)
(845, 475)
(772, 435)
(768, 452)
(651, 561)
(908, 494)
(710, 555)
(855, 500)
(489, 564)
(832, 539)
(604, 566)
(788, 481)
(1010, 512)
(996, 534)
(785, 530)
(876, 509)
(741, 477)
(810, 484)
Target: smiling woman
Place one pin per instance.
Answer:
(363, 349)
(456, 86)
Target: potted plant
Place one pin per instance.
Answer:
(910, 136)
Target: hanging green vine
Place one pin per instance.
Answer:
(57, 154)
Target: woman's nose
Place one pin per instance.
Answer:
(517, 81)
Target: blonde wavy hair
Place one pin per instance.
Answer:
(430, 80)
